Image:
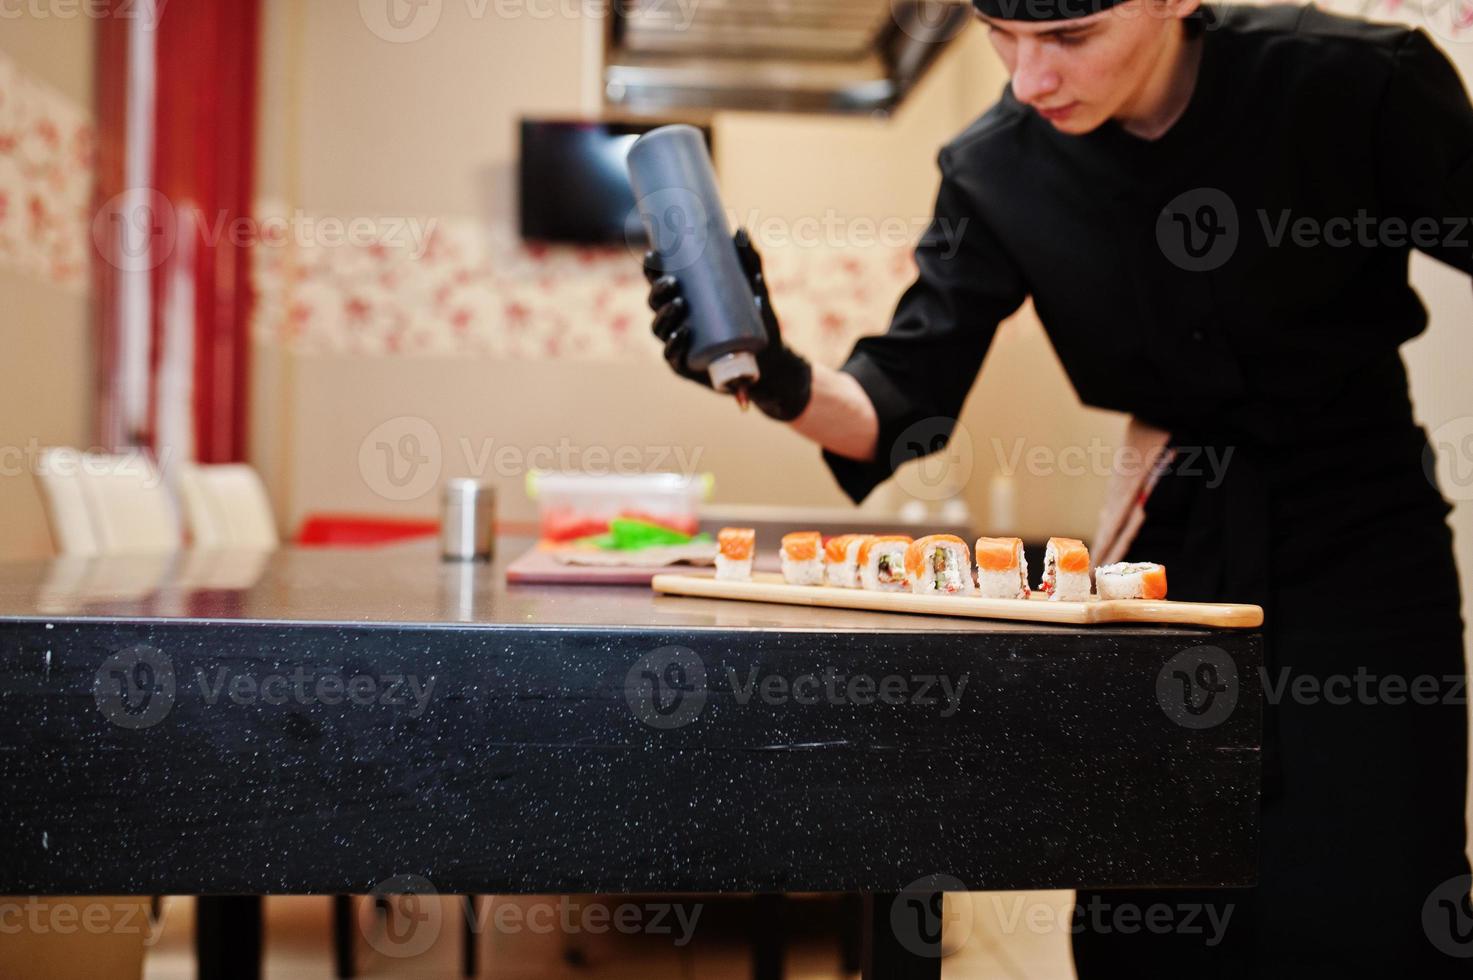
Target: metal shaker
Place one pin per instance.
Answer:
(467, 516)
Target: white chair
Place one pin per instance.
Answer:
(226, 507)
(62, 499)
(100, 504)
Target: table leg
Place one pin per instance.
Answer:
(851, 932)
(470, 951)
(227, 937)
(908, 947)
(344, 938)
(769, 912)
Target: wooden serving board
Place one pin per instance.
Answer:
(768, 587)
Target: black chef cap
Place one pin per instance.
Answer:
(1041, 10)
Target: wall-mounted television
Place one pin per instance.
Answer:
(573, 185)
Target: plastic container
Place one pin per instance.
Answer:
(576, 505)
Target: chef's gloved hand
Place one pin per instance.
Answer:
(786, 381)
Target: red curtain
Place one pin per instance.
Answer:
(112, 117)
(197, 144)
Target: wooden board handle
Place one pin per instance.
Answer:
(1229, 615)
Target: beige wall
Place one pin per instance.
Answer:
(791, 166)
(1440, 362)
(474, 409)
(55, 49)
(353, 124)
(45, 330)
(426, 127)
(46, 399)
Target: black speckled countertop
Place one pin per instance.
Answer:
(327, 720)
(408, 584)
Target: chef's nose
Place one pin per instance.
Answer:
(1034, 76)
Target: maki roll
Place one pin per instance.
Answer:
(1131, 580)
(882, 563)
(1002, 569)
(841, 560)
(1066, 569)
(802, 560)
(734, 547)
(939, 563)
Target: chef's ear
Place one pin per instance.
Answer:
(1180, 9)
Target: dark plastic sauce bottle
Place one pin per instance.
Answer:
(675, 191)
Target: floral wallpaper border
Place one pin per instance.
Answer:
(47, 165)
(455, 286)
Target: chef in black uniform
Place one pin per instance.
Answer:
(1212, 209)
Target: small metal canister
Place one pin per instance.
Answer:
(466, 519)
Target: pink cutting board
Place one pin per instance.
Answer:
(538, 567)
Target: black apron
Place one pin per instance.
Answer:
(1286, 353)
(1363, 801)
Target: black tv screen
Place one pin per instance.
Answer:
(573, 184)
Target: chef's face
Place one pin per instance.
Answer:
(1079, 73)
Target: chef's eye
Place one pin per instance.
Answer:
(1072, 39)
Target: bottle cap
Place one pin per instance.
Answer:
(728, 369)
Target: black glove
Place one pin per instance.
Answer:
(786, 382)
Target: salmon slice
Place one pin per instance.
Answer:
(1070, 554)
(834, 548)
(736, 543)
(998, 554)
(1153, 583)
(801, 545)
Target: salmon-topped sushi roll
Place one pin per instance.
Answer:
(939, 563)
(1066, 569)
(734, 547)
(1131, 580)
(802, 558)
(882, 562)
(1002, 568)
(841, 560)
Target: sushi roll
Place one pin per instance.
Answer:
(882, 563)
(841, 560)
(1131, 580)
(734, 547)
(938, 564)
(1002, 569)
(802, 558)
(1066, 569)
